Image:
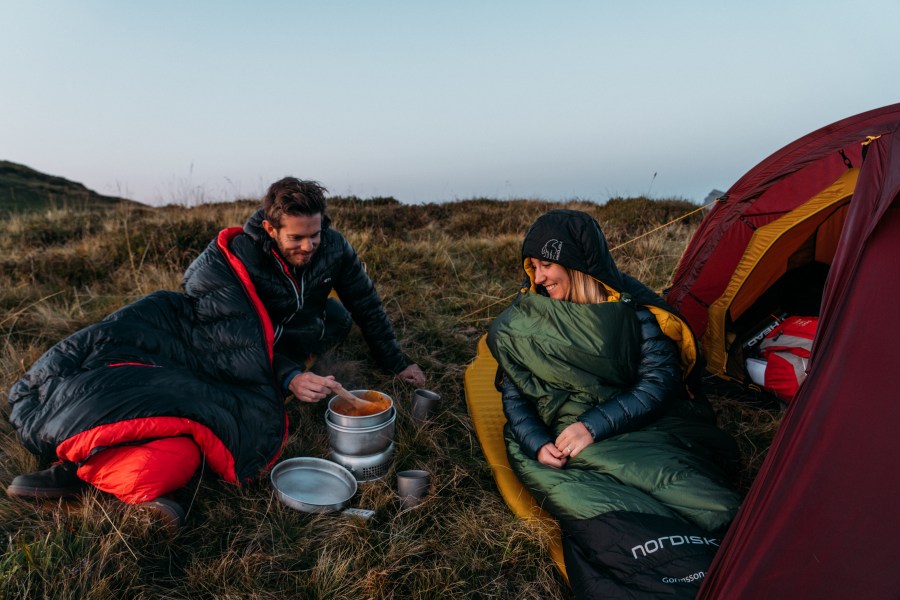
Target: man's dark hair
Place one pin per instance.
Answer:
(292, 196)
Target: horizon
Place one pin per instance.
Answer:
(191, 202)
(565, 101)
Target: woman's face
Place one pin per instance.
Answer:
(553, 277)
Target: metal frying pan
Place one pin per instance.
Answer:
(313, 485)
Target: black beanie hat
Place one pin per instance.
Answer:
(572, 239)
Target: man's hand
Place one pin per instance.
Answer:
(574, 439)
(412, 374)
(309, 387)
(550, 456)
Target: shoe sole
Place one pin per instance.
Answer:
(33, 492)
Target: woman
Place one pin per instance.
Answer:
(600, 425)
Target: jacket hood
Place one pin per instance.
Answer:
(572, 239)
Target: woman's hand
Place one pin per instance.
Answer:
(550, 456)
(574, 439)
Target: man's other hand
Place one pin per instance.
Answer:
(309, 387)
(412, 374)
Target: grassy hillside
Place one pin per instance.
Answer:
(24, 189)
(444, 271)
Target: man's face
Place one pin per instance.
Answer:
(297, 238)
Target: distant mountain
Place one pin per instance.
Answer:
(23, 189)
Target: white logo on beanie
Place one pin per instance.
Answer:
(551, 250)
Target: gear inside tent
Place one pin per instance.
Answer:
(765, 250)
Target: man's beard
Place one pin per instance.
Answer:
(298, 259)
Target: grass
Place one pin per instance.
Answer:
(444, 272)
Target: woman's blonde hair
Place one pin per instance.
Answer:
(584, 289)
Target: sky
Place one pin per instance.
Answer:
(187, 102)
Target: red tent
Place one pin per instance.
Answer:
(821, 519)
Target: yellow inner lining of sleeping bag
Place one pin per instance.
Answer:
(486, 410)
(671, 325)
(774, 249)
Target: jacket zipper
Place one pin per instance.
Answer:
(298, 293)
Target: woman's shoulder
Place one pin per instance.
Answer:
(645, 315)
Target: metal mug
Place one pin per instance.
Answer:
(412, 487)
(425, 404)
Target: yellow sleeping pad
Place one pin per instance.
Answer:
(486, 410)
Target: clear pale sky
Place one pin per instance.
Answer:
(180, 102)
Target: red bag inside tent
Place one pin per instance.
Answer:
(786, 352)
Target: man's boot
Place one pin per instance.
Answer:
(166, 511)
(59, 481)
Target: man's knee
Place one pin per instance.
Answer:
(138, 473)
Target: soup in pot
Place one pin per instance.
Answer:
(379, 403)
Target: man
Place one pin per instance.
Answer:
(298, 260)
(133, 404)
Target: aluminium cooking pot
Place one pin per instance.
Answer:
(361, 441)
(340, 417)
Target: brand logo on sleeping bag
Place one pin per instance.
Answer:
(551, 250)
(670, 541)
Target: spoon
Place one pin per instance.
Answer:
(351, 398)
